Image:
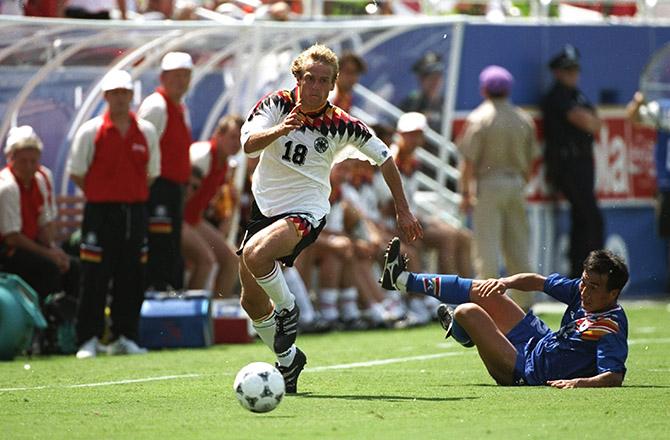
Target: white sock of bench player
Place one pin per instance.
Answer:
(328, 303)
(274, 284)
(297, 287)
(349, 310)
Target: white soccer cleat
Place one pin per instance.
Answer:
(124, 345)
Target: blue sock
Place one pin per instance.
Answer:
(449, 289)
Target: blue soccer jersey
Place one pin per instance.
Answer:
(587, 344)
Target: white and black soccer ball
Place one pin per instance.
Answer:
(259, 387)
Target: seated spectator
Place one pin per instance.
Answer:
(159, 10)
(203, 245)
(337, 258)
(278, 10)
(27, 213)
(364, 225)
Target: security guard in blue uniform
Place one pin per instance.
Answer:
(570, 123)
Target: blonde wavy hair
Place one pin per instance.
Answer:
(317, 53)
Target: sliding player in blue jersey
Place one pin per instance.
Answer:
(517, 348)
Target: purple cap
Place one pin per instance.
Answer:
(496, 79)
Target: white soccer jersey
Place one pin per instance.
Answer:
(10, 200)
(293, 172)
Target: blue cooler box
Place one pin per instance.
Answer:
(176, 319)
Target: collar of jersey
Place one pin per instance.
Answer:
(312, 115)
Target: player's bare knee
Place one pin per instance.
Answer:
(253, 255)
(466, 313)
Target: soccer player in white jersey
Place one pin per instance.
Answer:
(297, 133)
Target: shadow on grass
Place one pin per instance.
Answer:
(383, 397)
(461, 385)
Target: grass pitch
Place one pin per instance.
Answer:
(400, 384)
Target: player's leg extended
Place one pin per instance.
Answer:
(449, 289)
(497, 353)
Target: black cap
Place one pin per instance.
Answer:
(430, 62)
(567, 58)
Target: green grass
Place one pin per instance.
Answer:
(434, 398)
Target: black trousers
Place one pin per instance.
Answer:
(41, 273)
(166, 211)
(576, 182)
(113, 254)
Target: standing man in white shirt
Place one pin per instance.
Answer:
(165, 109)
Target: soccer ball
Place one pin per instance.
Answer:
(259, 387)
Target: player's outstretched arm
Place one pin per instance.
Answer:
(606, 379)
(527, 282)
(261, 139)
(407, 223)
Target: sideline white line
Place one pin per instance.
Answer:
(648, 341)
(123, 382)
(384, 361)
(103, 384)
(41, 387)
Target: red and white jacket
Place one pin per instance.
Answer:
(115, 167)
(26, 210)
(173, 126)
(204, 157)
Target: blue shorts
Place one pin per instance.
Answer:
(523, 337)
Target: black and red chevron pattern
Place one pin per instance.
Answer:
(331, 121)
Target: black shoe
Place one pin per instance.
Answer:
(292, 372)
(317, 326)
(356, 324)
(287, 328)
(394, 265)
(445, 315)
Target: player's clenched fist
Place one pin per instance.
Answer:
(294, 120)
